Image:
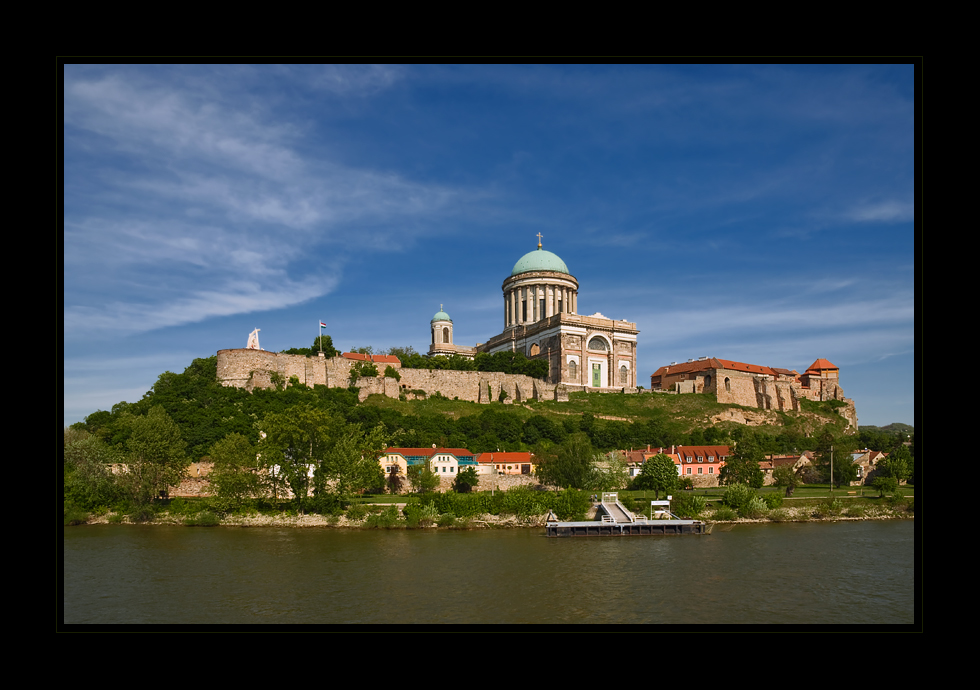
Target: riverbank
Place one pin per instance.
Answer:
(487, 521)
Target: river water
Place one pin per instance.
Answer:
(795, 573)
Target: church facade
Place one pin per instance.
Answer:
(541, 319)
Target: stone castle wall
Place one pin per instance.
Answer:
(252, 369)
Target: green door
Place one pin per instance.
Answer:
(596, 375)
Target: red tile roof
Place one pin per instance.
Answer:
(713, 363)
(821, 364)
(510, 457)
(428, 452)
(717, 452)
(382, 359)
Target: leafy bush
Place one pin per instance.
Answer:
(75, 516)
(326, 504)
(203, 519)
(831, 508)
(855, 511)
(418, 515)
(779, 515)
(689, 506)
(724, 514)
(521, 502)
(386, 519)
(446, 520)
(737, 496)
(754, 509)
(571, 504)
(356, 512)
(773, 500)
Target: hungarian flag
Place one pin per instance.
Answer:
(323, 325)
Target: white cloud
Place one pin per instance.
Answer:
(883, 211)
(195, 187)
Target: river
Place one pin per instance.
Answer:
(794, 573)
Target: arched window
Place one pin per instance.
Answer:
(624, 375)
(572, 370)
(597, 344)
(728, 384)
(445, 335)
(535, 350)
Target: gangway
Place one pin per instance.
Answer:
(614, 510)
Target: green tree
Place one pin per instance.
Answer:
(786, 476)
(422, 478)
(465, 480)
(234, 478)
(292, 443)
(394, 481)
(836, 448)
(897, 464)
(885, 485)
(570, 464)
(742, 466)
(155, 455)
(87, 477)
(352, 463)
(611, 472)
(326, 343)
(659, 473)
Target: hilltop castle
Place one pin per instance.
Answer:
(752, 385)
(584, 353)
(540, 320)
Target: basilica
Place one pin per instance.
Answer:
(541, 320)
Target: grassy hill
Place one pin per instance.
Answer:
(207, 412)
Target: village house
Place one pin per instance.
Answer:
(446, 462)
(506, 463)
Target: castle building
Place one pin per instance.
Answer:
(541, 320)
(753, 385)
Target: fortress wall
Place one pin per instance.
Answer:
(244, 368)
(473, 385)
(235, 367)
(740, 391)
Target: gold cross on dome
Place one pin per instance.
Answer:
(539, 240)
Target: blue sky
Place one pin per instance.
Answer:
(758, 213)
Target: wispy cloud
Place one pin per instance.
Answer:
(221, 192)
(882, 211)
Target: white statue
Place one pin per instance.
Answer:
(253, 340)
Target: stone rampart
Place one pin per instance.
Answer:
(250, 369)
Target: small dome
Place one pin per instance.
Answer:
(540, 260)
(441, 316)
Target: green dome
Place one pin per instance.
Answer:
(441, 316)
(540, 260)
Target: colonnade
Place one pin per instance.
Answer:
(533, 302)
